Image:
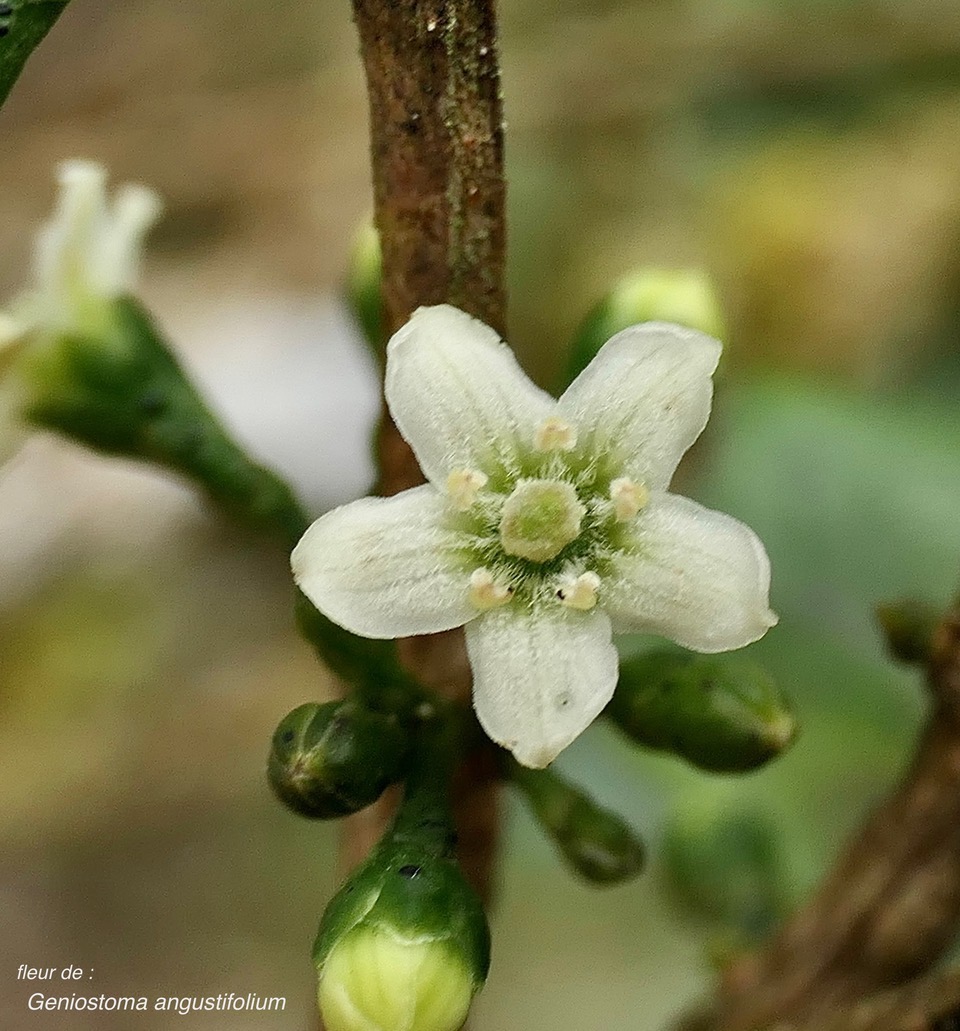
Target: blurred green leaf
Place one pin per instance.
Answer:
(841, 100)
(23, 24)
(855, 497)
(723, 865)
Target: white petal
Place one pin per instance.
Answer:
(458, 395)
(385, 567)
(540, 677)
(697, 576)
(135, 210)
(68, 243)
(645, 398)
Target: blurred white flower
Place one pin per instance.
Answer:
(86, 257)
(546, 525)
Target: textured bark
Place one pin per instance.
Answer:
(437, 149)
(887, 910)
(437, 145)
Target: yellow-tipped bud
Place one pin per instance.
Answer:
(683, 296)
(375, 980)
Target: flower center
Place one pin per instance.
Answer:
(540, 518)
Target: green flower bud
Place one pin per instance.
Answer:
(404, 945)
(596, 843)
(720, 713)
(724, 866)
(908, 627)
(364, 293)
(683, 296)
(331, 760)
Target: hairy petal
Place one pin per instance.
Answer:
(385, 567)
(645, 398)
(457, 394)
(540, 676)
(697, 576)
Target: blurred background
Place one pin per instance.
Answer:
(806, 154)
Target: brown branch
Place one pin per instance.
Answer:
(437, 145)
(889, 907)
(927, 1004)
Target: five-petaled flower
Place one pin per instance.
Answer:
(546, 525)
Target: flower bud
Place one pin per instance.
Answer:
(334, 759)
(364, 289)
(683, 296)
(373, 981)
(404, 945)
(720, 713)
(596, 843)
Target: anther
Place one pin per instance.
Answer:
(579, 592)
(554, 434)
(628, 498)
(463, 485)
(485, 592)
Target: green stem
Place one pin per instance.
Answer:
(126, 394)
(425, 817)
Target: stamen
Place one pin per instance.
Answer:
(463, 486)
(628, 498)
(579, 592)
(555, 434)
(485, 592)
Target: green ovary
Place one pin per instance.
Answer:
(540, 518)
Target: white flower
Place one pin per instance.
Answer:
(86, 257)
(546, 525)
